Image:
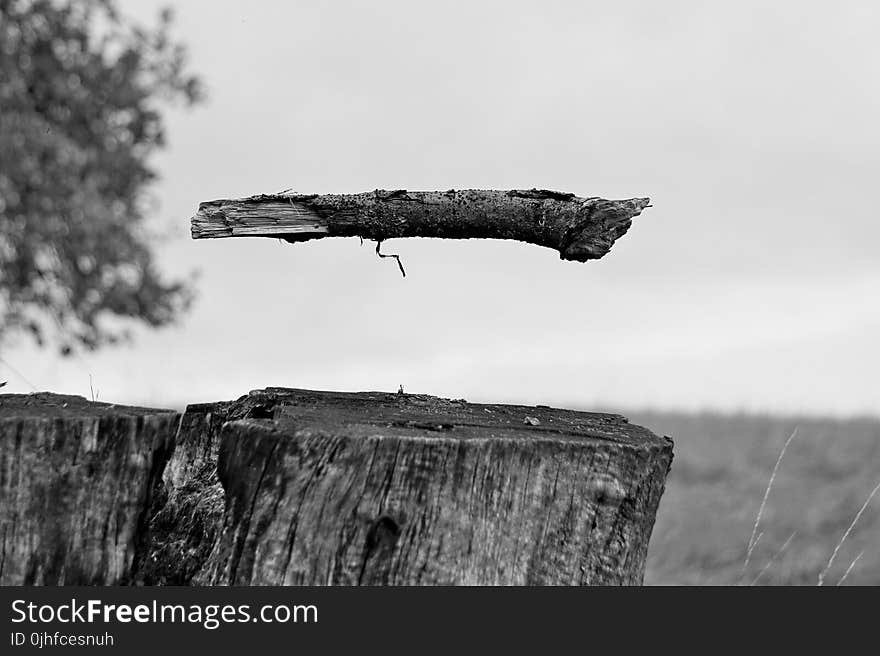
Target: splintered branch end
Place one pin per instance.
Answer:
(602, 224)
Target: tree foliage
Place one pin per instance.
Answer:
(81, 89)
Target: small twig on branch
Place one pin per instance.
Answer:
(578, 228)
(396, 257)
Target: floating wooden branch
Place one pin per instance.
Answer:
(578, 228)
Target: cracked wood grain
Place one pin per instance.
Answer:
(297, 487)
(579, 229)
(76, 481)
(397, 489)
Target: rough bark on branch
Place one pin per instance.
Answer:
(578, 228)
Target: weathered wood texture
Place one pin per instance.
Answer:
(578, 228)
(348, 489)
(187, 511)
(76, 480)
(298, 487)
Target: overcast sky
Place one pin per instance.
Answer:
(752, 283)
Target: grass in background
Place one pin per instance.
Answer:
(717, 483)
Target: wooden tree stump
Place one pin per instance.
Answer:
(372, 489)
(76, 480)
(319, 488)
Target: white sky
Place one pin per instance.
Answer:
(752, 283)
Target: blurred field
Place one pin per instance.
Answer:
(721, 468)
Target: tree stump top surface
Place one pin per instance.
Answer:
(361, 414)
(65, 406)
(358, 414)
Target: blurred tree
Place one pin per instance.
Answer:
(80, 90)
